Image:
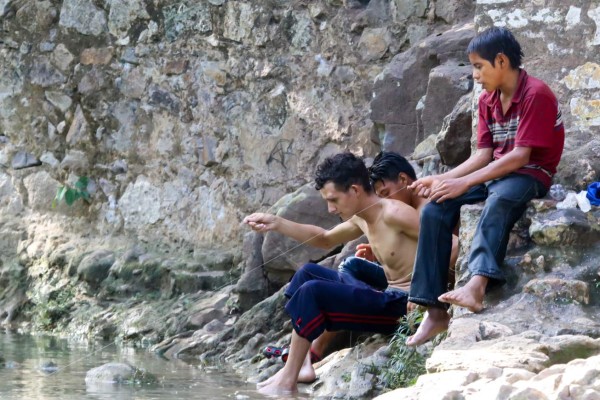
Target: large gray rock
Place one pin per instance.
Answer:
(83, 16)
(447, 84)
(453, 143)
(399, 88)
(118, 373)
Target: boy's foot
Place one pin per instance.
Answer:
(469, 296)
(436, 321)
(278, 384)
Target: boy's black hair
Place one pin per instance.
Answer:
(493, 41)
(344, 170)
(387, 165)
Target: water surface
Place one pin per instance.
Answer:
(23, 377)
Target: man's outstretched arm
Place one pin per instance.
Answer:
(305, 233)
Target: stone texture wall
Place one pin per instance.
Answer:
(187, 115)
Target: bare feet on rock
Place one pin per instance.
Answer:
(278, 384)
(469, 296)
(436, 321)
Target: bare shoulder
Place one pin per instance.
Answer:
(395, 208)
(356, 222)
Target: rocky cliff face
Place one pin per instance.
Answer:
(187, 115)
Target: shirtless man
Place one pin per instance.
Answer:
(322, 299)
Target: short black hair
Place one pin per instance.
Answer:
(493, 41)
(344, 170)
(387, 165)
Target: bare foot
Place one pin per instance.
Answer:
(269, 380)
(436, 321)
(307, 374)
(469, 296)
(278, 384)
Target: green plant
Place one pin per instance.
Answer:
(405, 364)
(71, 194)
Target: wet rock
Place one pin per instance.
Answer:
(559, 290)
(94, 56)
(83, 16)
(454, 140)
(22, 159)
(49, 367)
(94, 267)
(118, 373)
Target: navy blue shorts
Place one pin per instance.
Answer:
(323, 299)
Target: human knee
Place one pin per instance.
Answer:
(349, 265)
(431, 212)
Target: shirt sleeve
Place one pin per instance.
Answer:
(485, 140)
(536, 121)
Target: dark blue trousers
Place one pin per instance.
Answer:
(323, 299)
(505, 201)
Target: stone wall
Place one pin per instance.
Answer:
(187, 115)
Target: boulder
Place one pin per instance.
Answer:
(118, 373)
(403, 82)
(447, 84)
(453, 143)
(83, 16)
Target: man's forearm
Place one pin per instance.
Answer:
(303, 233)
(479, 160)
(499, 168)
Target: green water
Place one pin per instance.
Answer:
(23, 378)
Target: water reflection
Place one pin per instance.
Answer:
(40, 367)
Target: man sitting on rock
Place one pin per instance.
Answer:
(520, 139)
(322, 299)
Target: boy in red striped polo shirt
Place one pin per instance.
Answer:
(520, 139)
